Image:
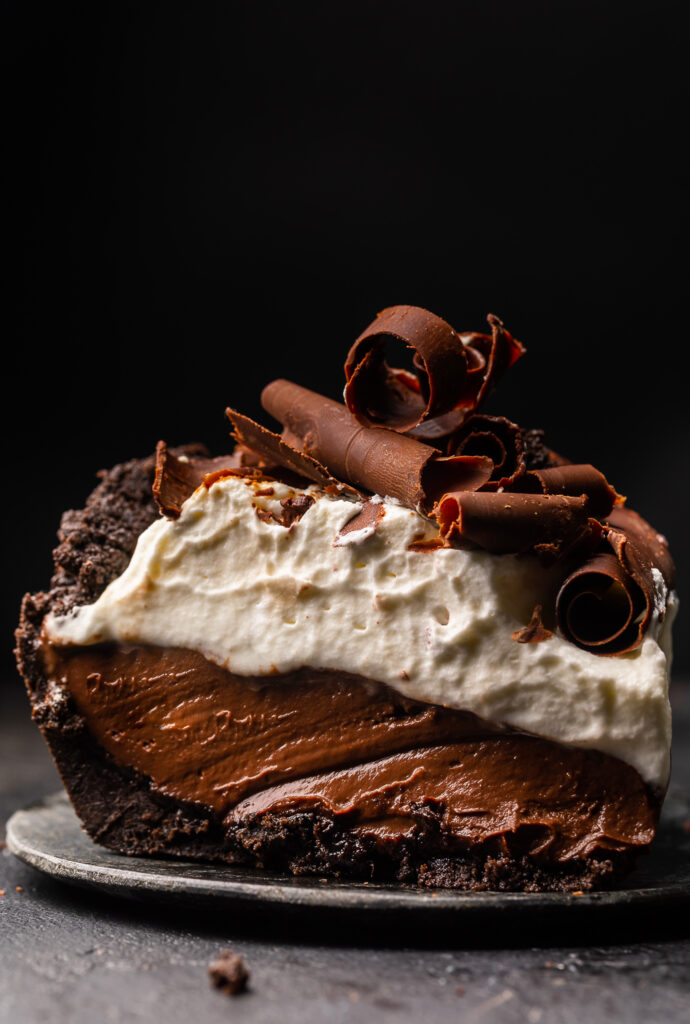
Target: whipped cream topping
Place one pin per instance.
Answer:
(231, 582)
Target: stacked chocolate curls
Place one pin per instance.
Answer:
(416, 435)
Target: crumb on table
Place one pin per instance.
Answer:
(229, 973)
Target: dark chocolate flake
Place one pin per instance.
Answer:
(368, 518)
(535, 631)
(294, 508)
(177, 478)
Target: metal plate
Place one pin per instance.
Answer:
(49, 837)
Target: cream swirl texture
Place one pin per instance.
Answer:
(258, 597)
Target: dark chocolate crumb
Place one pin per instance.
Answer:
(534, 632)
(537, 455)
(229, 973)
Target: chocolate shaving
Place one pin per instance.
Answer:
(365, 523)
(422, 543)
(376, 459)
(294, 508)
(451, 376)
(573, 479)
(176, 478)
(606, 604)
(534, 632)
(550, 525)
(275, 450)
(500, 440)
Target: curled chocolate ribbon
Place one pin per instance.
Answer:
(379, 460)
(573, 479)
(598, 605)
(549, 525)
(607, 603)
(499, 439)
(451, 373)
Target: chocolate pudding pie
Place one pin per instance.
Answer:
(400, 639)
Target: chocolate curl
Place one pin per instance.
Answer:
(377, 394)
(276, 451)
(176, 479)
(503, 351)
(452, 373)
(514, 523)
(573, 479)
(600, 607)
(607, 604)
(499, 439)
(488, 358)
(378, 460)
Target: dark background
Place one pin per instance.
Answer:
(205, 196)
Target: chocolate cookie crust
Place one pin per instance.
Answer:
(120, 808)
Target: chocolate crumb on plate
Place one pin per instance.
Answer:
(229, 973)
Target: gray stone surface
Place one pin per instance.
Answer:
(75, 955)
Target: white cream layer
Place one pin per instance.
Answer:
(259, 598)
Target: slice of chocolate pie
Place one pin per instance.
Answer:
(401, 640)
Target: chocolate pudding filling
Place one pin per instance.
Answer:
(349, 748)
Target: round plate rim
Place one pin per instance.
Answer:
(143, 876)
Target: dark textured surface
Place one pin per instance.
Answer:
(77, 956)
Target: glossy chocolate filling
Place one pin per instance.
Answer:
(352, 747)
